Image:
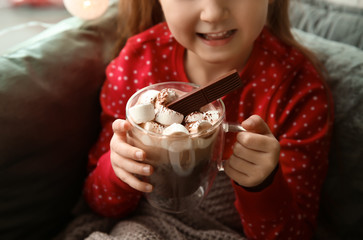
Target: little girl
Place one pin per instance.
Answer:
(276, 168)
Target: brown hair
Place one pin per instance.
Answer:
(136, 16)
(279, 24)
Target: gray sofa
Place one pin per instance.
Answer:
(49, 118)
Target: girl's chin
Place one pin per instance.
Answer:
(214, 58)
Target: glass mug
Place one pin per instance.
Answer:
(184, 166)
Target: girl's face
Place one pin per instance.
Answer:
(216, 31)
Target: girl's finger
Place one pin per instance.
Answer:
(126, 150)
(251, 156)
(134, 167)
(241, 165)
(245, 153)
(121, 126)
(258, 142)
(133, 181)
(257, 125)
(244, 173)
(235, 175)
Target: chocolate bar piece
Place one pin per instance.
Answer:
(196, 99)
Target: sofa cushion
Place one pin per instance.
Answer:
(49, 117)
(341, 215)
(335, 22)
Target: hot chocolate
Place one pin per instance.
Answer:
(183, 150)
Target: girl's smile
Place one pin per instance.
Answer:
(217, 38)
(218, 35)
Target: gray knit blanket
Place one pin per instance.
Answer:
(215, 218)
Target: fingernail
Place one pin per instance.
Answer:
(139, 155)
(148, 188)
(248, 121)
(146, 169)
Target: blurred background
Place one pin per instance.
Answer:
(358, 3)
(21, 20)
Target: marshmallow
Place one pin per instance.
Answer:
(199, 126)
(166, 96)
(204, 125)
(177, 143)
(194, 117)
(181, 140)
(153, 127)
(175, 129)
(211, 116)
(142, 113)
(148, 97)
(167, 116)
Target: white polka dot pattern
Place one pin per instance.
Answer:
(279, 85)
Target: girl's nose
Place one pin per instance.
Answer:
(214, 11)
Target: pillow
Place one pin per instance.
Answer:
(49, 119)
(351, 3)
(341, 213)
(332, 21)
(341, 5)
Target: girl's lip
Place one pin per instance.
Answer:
(217, 38)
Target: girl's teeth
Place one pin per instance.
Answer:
(217, 36)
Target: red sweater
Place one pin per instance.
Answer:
(280, 85)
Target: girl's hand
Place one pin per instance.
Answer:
(127, 160)
(255, 154)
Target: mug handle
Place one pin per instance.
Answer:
(230, 127)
